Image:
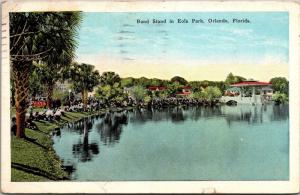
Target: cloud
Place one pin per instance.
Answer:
(93, 30)
(127, 25)
(125, 32)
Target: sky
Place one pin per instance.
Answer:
(114, 41)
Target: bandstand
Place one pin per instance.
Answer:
(250, 92)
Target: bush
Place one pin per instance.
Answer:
(63, 96)
(280, 98)
(209, 93)
(139, 93)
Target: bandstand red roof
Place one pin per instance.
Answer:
(250, 83)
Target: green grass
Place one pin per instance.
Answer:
(13, 111)
(34, 159)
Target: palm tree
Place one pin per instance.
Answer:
(38, 37)
(49, 74)
(110, 88)
(109, 78)
(84, 78)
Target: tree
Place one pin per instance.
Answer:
(143, 81)
(210, 93)
(111, 86)
(139, 93)
(280, 84)
(84, 79)
(48, 75)
(173, 87)
(109, 78)
(155, 82)
(35, 86)
(38, 36)
(196, 87)
(109, 92)
(179, 79)
(279, 98)
(127, 82)
(231, 79)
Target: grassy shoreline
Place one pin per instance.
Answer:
(33, 158)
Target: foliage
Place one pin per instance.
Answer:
(198, 95)
(143, 81)
(42, 36)
(110, 87)
(179, 79)
(280, 97)
(127, 82)
(36, 88)
(155, 82)
(280, 84)
(199, 85)
(47, 37)
(231, 79)
(173, 87)
(109, 78)
(208, 93)
(84, 77)
(139, 93)
(109, 92)
(61, 95)
(212, 92)
(163, 94)
(147, 99)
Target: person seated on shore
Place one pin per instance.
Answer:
(49, 114)
(27, 115)
(29, 122)
(57, 115)
(13, 125)
(88, 108)
(42, 115)
(34, 115)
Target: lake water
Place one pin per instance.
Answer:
(197, 143)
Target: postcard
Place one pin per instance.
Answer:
(150, 97)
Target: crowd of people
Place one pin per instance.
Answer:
(57, 110)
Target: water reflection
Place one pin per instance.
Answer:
(242, 113)
(280, 112)
(175, 114)
(110, 128)
(83, 150)
(243, 129)
(255, 114)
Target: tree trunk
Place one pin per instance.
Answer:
(21, 72)
(50, 87)
(84, 98)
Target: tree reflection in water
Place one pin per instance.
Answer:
(177, 115)
(254, 114)
(280, 112)
(83, 150)
(110, 127)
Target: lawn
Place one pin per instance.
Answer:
(33, 158)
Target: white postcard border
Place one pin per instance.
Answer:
(291, 186)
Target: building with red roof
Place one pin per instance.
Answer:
(185, 91)
(156, 88)
(249, 91)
